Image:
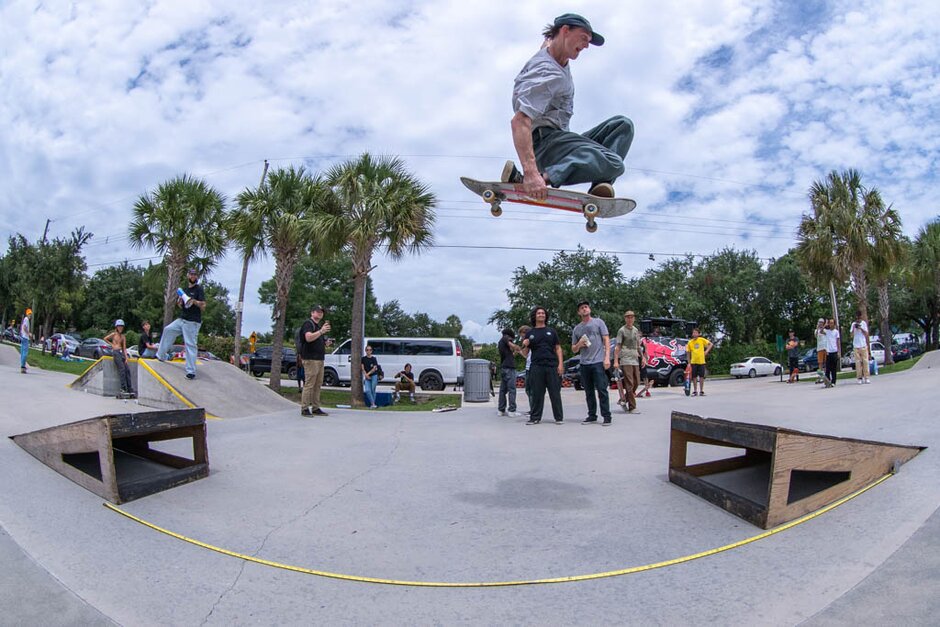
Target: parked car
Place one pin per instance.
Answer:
(11, 335)
(755, 367)
(93, 347)
(435, 361)
(809, 360)
(62, 340)
(259, 362)
(877, 351)
(908, 350)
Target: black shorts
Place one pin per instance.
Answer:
(794, 363)
(698, 370)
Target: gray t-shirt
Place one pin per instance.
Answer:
(544, 91)
(595, 330)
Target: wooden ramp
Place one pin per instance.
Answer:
(112, 457)
(782, 474)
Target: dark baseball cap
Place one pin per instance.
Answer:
(573, 19)
(584, 302)
(317, 308)
(192, 271)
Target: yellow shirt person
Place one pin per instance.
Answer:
(697, 348)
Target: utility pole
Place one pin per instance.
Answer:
(240, 306)
(32, 326)
(835, 316)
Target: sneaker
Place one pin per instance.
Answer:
(190, 376)
(318, 412)
(533, 421)
(589, 421)
(558, 422)
(511, 173)
(374, 407)
(867, 380)
(305, 412)
(606, 423)
(395, 397)
(602, 190)
(513, 414)
(634, 411)
(412, 398)
(501, 413)
(859, 381)
(702, 393)
(694, 393)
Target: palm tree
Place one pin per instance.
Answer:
(279, 215)
(184, 220)
(381, 204)
(887, 252)
(835, 242)
(247, 240)
(925, 262)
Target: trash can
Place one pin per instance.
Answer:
(476, 381)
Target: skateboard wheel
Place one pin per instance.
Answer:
(496, 210)
(591, 226)
(489, 195)
(591, 210)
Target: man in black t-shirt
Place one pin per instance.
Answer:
(507, 373)
(192, 299)
(546, 368)
(312, 351)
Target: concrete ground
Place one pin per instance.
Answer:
(468, 496)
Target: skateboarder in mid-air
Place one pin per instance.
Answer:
(543, 102)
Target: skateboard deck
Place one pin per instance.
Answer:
(591, 207)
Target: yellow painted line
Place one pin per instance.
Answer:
(170, 388)
(497, 584)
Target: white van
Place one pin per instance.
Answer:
(436, 361)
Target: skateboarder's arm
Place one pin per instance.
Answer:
(561, 360)
(533, 183)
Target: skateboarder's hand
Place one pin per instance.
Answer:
(534, 185)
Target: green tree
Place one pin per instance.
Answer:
(325, 282)
(49, 277)
(835, 241)
(281, 212)
(789, 299)
(925, 266)
(560, 284)
(116, 292)
(219, 316)
(184, 220)
(727, 285)
(887, 249)
(380, 205)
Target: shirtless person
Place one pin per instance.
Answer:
(118, 342)
(543, 102)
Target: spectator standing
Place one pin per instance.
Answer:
(313, 350)
(698, 349)
(833, 339)
(24, 339)
(628, 359)
(821, 352)
(507, 374)
(370, 376)
(793, 357)
(406, 381)
(523, 332)
(118, 342)
(593, 345)
(541, 342)
(861, 348)
(192, 300)
(647, 380)
(145, 347)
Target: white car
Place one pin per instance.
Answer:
(62, 340)
(436, 361)
(755, 367)
(877, 351)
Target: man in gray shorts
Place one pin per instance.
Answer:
(543, 102)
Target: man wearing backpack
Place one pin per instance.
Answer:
(312, 351)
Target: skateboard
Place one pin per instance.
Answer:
(688, 380)
(590, 207)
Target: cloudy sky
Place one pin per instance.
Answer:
(739, 106)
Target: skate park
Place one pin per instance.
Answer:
(469, 497)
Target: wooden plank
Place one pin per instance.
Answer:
(754, 513)
(741, 434)
(123, 425)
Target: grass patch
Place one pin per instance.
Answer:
(901, 366)
(47, 362)
(332, 398)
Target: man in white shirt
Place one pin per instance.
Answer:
(833, 339)
(860, 348)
